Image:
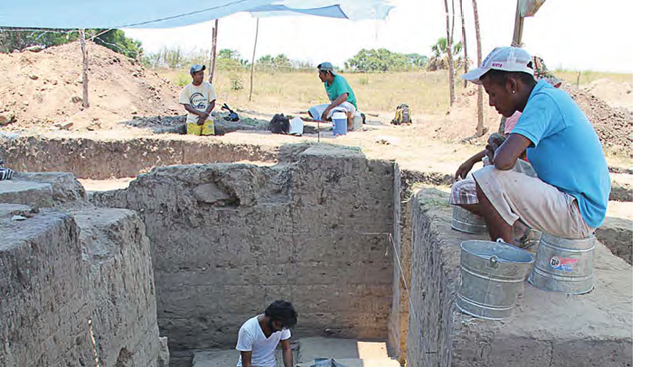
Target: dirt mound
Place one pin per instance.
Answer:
(460, 122)
(45, 88)
(614, 125)
(616, 93)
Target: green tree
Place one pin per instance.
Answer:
(417, 61)
(265, 61)
(382, 60)
(228, 54)
(11, 40)
(439, 58)
(282, 62)
(114, 39)
(274, 63)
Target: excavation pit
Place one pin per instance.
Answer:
(190, 251)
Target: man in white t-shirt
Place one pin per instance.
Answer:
(260, 335)
(199, 98)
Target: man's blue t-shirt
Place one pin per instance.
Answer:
(565, 150)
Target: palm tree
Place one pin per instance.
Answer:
(480, 128)
(441, 61)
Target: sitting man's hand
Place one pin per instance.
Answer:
(323, 117)
(489, 152)
(464, 169)
(495, 140)
(200, 121)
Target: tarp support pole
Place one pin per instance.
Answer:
(519, 28)
(214, 50)
(257, 28)
(84, 74)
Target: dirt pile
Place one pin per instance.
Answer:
(44, 89)
(614, 125)
(616, 93)
(461, 120)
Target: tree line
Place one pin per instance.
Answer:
(365, 61)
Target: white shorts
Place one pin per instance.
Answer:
(317, 111)
(539, 205)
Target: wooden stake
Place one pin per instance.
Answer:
(519, 29)
(213, 55)
(257, 28)
(84, 74)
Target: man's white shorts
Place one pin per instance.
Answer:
(317, 111)
(539, 205)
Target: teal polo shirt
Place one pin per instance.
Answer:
(339, 86)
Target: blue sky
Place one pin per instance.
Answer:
(569, 34)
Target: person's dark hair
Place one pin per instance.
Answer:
(282, 311)
(500, 76)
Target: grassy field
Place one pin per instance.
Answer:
(587, 77)
(425, 92)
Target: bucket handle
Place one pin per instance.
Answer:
(494, 260)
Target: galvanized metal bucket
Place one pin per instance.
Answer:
(465, 221)
(492, 276)
(564, 265)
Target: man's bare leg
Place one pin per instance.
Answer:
(519, 228)
(350, 121)
(497, 227)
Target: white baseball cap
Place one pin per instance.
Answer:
(502, 58)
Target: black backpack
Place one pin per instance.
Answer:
(402, 115)
(279, 124)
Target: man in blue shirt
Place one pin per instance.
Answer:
(569, 196)
(340, 94)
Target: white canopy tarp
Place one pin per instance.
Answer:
(73, 14)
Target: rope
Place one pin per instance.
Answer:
(92, 339)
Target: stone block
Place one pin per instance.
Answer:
(116, 252)
(65, 188)
(64, 273)
(33, 194)
(7, 211)
(618, 235)
(545, 328)
(45, 295)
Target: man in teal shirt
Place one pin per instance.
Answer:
(340, 94)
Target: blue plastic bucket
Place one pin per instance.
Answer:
(340, 121)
